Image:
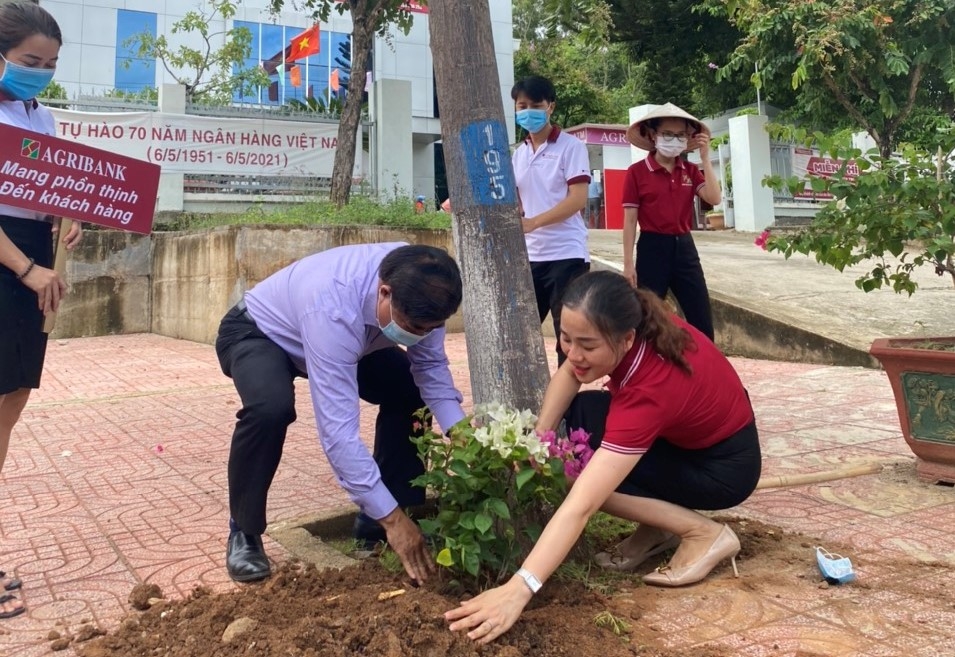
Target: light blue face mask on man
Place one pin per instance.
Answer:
(532, 120)
(397, 334)
(23, 82)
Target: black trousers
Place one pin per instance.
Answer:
(714, 478)
(671, 262)
(263, 375)
(550, 282)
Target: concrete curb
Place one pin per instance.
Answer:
(303, 537)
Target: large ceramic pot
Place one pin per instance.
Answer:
(922, 373)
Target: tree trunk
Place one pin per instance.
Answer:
(502, 329)
(348, 124)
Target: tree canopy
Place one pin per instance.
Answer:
(886, 66)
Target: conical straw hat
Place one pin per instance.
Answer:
(638, 135)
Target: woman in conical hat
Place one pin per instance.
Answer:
(658, 195)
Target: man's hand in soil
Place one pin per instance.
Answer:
(492, 613)
(405, 538)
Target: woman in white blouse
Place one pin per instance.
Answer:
(30, 41)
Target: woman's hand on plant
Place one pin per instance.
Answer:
(405, 538)
(492, 613)
(49, 288)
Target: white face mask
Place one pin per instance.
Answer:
(670, 148)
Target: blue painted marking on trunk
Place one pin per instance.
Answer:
(488, 159)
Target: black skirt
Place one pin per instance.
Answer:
(22, 340)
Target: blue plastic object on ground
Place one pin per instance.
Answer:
(834, 567)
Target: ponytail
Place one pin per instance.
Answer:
(615, 308)
(667, 338)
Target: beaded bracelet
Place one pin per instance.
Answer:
(27, 270)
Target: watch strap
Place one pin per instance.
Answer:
(530, 579)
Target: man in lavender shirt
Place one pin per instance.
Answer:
(338, 318)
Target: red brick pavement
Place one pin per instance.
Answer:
(116, 475)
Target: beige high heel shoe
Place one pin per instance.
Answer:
(725, 545)
(622, 564)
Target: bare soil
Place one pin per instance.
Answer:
(303, 612)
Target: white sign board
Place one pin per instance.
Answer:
(182, 143)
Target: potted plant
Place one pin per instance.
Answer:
(715, 220)
(896, 214)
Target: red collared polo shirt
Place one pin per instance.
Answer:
(651, 397)
(664, 199)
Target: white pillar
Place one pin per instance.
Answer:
(750, 163)
(424, 171)
(394, 159)
(172, 100)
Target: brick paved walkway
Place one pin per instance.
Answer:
(116, 476)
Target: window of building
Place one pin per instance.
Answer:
(133, 73)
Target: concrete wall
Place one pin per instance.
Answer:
(180, 284)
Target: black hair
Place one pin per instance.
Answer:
(21, 19)
(535, 87)
(425, 282)
(615, 307)
(654, 124)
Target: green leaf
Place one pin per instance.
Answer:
(523, 477)
(483, 523)
(499, 508)
(445, 559)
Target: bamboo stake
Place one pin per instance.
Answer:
(59, 266)
(784, 481)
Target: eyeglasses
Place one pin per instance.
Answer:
(670, 136)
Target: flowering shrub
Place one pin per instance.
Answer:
(496, 482)
(897, 215)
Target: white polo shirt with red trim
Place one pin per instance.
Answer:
(542, 181)
(652, 398)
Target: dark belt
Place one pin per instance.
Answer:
(243, 312)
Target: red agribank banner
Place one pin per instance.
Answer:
(66, 179)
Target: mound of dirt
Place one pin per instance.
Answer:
(366, 610)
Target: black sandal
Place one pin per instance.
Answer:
(10, 614)
(12, 584)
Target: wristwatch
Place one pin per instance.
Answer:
(530, 579)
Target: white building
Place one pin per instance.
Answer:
(97, 57)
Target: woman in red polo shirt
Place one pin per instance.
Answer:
(658, 194)
(674, 432)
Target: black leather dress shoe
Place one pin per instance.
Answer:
(245, 558)
(368, 532)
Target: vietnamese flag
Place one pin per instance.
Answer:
(304, 44)
(295, 75)
(333, 81)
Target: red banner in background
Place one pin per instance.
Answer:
(67, 179)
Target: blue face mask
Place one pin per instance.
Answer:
(532, 120)
(405, 338)
(23, 82)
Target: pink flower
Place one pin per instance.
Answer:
(416, 426)
(762, 239)
(578, 452)
(712, 66)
